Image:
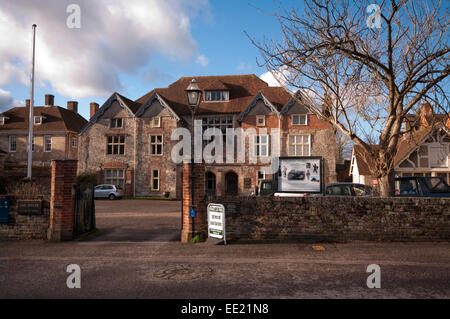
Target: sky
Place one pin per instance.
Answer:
(128, 47)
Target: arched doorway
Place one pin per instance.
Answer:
(210, 183)
(231, 184)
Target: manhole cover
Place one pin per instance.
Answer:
(183, 272)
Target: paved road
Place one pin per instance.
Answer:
(137, 220)
(124, 263)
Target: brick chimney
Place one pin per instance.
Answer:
(72, 106)
(426, 113)
(94, 108)
(49, 100)
(27, 102)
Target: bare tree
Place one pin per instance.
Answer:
(343, 147)
(364, 68)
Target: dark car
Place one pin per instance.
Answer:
(348, 189)
(296, 175)
(418, 186)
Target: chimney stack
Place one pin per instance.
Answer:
(27, 102)
(49, 100)
(72, 106)
(94, 108)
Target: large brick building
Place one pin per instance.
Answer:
(129, 142)
(55, 132)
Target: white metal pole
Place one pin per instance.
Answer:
(31, 117)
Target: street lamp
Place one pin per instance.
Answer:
(194, 95)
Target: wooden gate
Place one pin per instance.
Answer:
(84, 208)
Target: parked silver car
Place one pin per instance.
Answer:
(108, 191)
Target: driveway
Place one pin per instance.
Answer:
(137, 221)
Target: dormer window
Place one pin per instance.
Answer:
(37, 120)
(217, 96)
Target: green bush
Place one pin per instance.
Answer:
(199, 238)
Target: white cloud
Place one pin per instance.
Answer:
(115, 36)
(276, 78)
(244, 66)
(7, 101)
(202, 60)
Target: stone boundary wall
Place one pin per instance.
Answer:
(336, 219)
(24, 227)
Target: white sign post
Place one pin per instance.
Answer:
(216, 222)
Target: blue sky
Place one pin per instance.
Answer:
(129, 49)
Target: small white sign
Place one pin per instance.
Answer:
(216, 221)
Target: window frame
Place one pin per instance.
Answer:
(301, 145)
(159, 121)
(115, 121)
(258, 117)
(37, 118)
(117, 177)
(2, 120)
(45, 144)
(118, 144)
(156, 143)
(74, 142)
(224, 96)
(259, 180)
(10, 143)
(299, 119)
(157, 178)
(257, 145)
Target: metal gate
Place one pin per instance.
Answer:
(84, 208)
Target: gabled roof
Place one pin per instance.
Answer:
(153, 97)
(56, 119)
(362, 160)
(130, 106)
(242, 88)
(259, 97)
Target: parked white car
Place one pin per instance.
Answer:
(108, 191)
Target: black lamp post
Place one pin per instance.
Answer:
(194, 95)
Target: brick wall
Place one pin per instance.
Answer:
(336, 218)
(62, 203)
(23, 227)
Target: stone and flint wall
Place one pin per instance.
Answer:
(337, 219)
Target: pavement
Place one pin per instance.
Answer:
(130, 257)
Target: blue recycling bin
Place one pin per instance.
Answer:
(4, 210)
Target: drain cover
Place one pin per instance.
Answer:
(183, 272)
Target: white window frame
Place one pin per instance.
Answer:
(157, 178)
(299, 119)
(37, 120)
(32, 144)
(156, 143)
(301, 144)
(118, 144)
(11, 137)
(259, 117)
(208, 96)
(115, 177)
(74, 142)
(156, 121)
(2, 120)
(45, 144)
(257, 145)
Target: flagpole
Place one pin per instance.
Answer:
(31, 117)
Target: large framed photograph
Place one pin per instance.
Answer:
(300, 174)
